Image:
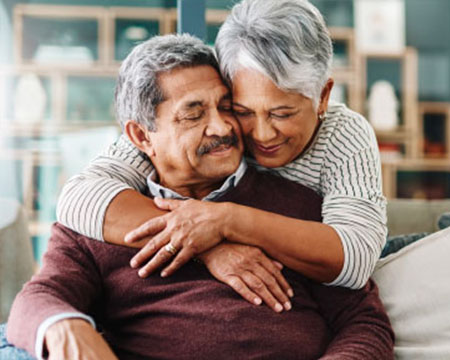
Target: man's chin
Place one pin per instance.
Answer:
(219, 166)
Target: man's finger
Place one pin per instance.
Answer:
(274, 269)
(149, 228)
(180, 259)
(259, 287)
(278, 264)
(149, 249)
(273, 286)
(239, 286)
(167, 204)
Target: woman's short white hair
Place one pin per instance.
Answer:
(286, 40)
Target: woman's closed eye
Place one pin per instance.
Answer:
(281, 116)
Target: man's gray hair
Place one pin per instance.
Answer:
(286, 40)
(137, 91)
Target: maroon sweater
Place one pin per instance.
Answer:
(190, 315)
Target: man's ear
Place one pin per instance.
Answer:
(139, 136)
(325, 96)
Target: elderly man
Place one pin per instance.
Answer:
(181, 118)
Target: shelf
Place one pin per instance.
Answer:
(434, 129)
(404, 80)
(42, 34)
(396, 171)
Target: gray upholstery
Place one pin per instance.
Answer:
(406, 216)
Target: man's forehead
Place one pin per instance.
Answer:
(191, 84)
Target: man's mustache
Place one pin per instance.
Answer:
(216, 142)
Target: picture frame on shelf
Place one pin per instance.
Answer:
(380, 25)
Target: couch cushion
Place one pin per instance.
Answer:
(414, 285)
(406, 216)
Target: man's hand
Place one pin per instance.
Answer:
(250, 273)
(76, 339)
(191, 227)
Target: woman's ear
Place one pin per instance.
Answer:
(325, 96)
(139, 136)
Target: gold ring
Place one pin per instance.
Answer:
(171, 249)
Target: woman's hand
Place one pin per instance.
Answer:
(190, 228)
(250, 273)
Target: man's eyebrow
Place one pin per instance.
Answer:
(192, 104)
(189, 105)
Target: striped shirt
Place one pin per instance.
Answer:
(342, 165)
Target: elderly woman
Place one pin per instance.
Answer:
(276, 57)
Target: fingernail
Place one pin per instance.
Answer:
(287, 305)
(142, 273)
(163, 273)
(290, 293)
(278, 307)
(133, 263)
(257, 301)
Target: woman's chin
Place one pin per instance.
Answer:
(269, 161)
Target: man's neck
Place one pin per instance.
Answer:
(207, 189)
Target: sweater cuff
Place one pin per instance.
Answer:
(39, 345)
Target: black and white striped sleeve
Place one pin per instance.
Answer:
(353, 201)
(85, 197)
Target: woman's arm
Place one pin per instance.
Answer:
(311, 248)
(87, 201)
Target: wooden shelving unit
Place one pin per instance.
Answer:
(348, 74)
(434, 112)
(407, 133)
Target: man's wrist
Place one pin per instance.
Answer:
(57, 332)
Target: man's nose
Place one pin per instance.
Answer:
(263, 130)
(218, 125)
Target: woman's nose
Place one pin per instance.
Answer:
(263, 131)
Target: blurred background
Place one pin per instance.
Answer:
(59, 59)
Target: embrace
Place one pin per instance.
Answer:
(267, 255)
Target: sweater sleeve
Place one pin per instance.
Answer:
(54, 292)
(85, 198)
(354, 204)
(358, 321)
